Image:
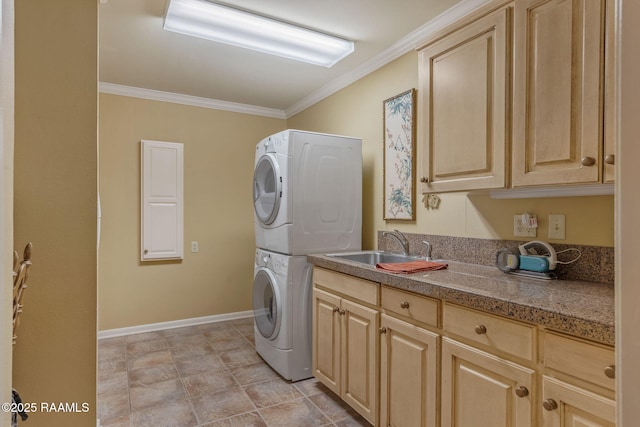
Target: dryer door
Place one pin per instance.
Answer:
(267, 303)
(267, 188)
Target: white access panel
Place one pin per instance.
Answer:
(162, 197)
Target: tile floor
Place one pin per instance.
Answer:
(206, 376)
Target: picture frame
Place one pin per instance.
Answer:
(399, 157)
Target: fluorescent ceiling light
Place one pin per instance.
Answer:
(201, 18)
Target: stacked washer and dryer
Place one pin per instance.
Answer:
(307, 196)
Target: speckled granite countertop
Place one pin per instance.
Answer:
(582, 309)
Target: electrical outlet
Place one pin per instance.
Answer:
(194, 247)
(557, 227)
(520, 228)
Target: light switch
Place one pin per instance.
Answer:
(194, 247)
(557, 227)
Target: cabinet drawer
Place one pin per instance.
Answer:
(501, 334)
(358, 289)
(581, 359)
(416, 307)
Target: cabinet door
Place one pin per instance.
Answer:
(568, 406)
(463, 82)
(326, 339)
(360, 358)
(482, 390)
(558, 92)
(408, 377)
(610, 109)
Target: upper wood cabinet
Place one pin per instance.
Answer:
(463, 107)
(558, 92)
(521, 96)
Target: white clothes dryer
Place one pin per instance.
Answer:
(282, 313)
(307, 193)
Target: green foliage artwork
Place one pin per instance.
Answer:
(399, 157)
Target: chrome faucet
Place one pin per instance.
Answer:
(400, 238)
(428, 245)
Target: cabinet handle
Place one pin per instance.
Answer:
(383, 330)
(610, 159)
(588, 161)
(522, 391)
(336, 309)
(550, 405)
(424, 179)
(342, 312)
(610, 371)
(146, 251)
(404, 304)
(481, 329)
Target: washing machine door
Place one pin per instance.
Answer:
(267, 303)
(267, 188)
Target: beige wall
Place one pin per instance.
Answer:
(357, 111)
(219, 149)
(55, 204)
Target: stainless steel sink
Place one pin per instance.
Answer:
(374, 257)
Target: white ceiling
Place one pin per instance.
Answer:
(136, 52)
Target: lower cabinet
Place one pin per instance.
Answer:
(360, 359)
(345, 350)
(408, 374)
(570, 367)
(327, 339)
(483, 390)
(566, 405)
(405, 360)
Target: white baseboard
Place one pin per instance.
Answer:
(110, 333)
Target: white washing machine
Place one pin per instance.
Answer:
(307, 193)
(282, 312)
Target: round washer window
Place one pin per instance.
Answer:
(267, 189)
(266, 304)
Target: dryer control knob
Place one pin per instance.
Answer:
(266, 259)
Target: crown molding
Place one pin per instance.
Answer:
(194, 101)
(401, 47)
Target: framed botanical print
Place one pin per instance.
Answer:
(399, 156)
